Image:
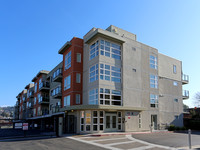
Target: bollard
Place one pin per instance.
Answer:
(189, 138)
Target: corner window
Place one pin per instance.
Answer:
(67, 82)
(110, 49)
(153, 62)
(78, 78)
(67, 100)
(174, 69)
(94, 50)
(78, 98)
(154, 100)
(68, 60)
(153, 81)
(94, 73)
(78, 57)
(93, 97)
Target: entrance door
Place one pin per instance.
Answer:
(111, 122)
(154, 122)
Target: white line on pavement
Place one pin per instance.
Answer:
(119, 143)
(95, 144)
(142, 148)
(150, 144)
(109, 139)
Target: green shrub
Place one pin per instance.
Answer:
(171, 128)
(183, 128)
(177, 128)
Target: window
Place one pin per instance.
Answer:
(154, 100)
(68, 60)
(94, 50)
(175, 83)
(110, 97)
(140, 121)
(93, 97)
(110, 73)
(35, 100)
(38, 111)
(175, 100)
(153, 81)
(39, 98)
(78, 78)
(153, 62)
(34, 111)
(57, 73)
(119, 116)
(40, 83)
(35, 87)
(95, 120)
(78, 57)
(174, 69)
(110, 49)
(101, 120)
(94, 73)
(88, 120)
(82, 114)
(56, 91)
(67, 82)
(67, 100)
(78, 98)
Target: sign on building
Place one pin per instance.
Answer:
(25, 126)
(18, 125)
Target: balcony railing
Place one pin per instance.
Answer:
(43, 100)
(44, 112)
(185, 94)
(57, 75)
(31, 94)
(56, 109)
(57, 92)
(185, 79)
(44, 86)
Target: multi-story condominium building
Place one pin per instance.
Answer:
(108, 81)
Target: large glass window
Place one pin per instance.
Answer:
(153, 81)
(110, 97)
(93, 97)
(82, 120)
(110, 49)
(95, 120)
(35, 100)
(40, 83)
(57, 73)
(56, 91)
(154, 100)
(67, 100)
(67, 82)
(153, 62)
(88, 120)
(39, 98)
(110, 73)
(94, 73)
(68, 60)
(94, 50)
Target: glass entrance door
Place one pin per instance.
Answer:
(154, 121)
(111, 122)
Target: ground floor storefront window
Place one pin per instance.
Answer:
(97, 121)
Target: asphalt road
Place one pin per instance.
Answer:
(176, 140)
(47, 144)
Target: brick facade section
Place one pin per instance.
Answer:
(76, 67)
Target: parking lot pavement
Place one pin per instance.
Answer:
(176, 140)
(47, 144)
(119, 142)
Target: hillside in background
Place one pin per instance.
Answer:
(6, 112)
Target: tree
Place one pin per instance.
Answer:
(185, 107)
(197, 99)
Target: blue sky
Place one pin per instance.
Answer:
(32, 32)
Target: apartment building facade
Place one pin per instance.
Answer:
(108, 81)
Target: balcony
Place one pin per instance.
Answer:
(56, 109)
(30, 105)
(185, 94)
(44, 86)
(57, 75)
(31, 94)
(43, 100)
(57, 92)
(185, 79)
(45, 112)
